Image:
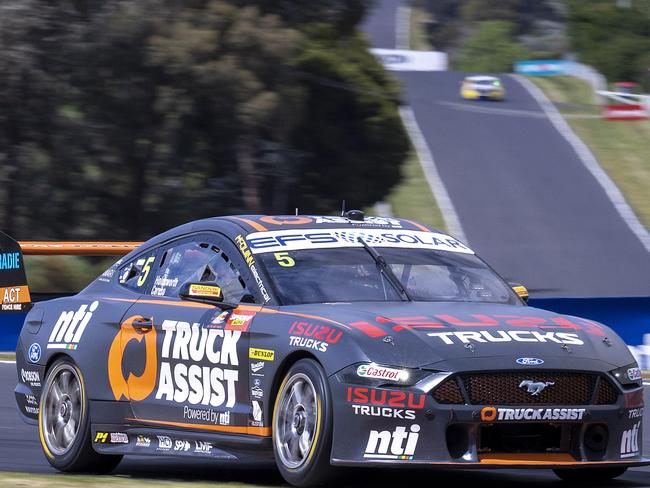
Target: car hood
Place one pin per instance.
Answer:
(462, 335)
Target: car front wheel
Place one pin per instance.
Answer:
(302, 425)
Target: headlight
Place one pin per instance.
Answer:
(379, 375)
(628, 375)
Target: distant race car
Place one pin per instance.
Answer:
(482, 87)
(319, 342)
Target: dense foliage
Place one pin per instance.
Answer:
(491, 47)
(120, 118)
(483, 35)
(615, 39)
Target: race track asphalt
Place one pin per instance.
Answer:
(20, 451)
(527, 204)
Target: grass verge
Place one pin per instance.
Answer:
(7, 356)
(25, 480)
(621, 147)
(412, 199)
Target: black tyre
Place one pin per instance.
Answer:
(64, 423)
(302, 426)
(589, 475)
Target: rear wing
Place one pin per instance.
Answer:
(14, 290)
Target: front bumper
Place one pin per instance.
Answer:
(478, 95)
(405, 426)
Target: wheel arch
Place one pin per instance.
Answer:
(54, 358)
(282, 370)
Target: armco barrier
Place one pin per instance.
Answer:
(629, 317)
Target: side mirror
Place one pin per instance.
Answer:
(209, 292)
(520, 290)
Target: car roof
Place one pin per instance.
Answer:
(233, 225)
(481, 78)
(263, 223)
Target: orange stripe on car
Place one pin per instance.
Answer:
(252, 223)
(303, 315)
(163, 302)
(419, 226)
(258, 431)
(524, 458)
(247, 308)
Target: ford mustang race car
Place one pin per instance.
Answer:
(482, 87)
(320, 342)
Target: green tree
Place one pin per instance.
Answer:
(346, 160)
(614, 40)
(121, 118)
(491, 48)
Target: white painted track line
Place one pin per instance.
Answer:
(589, 161)
(432, 175)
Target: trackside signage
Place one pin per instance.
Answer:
(295, 240)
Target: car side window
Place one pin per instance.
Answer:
(197, 261)
(135, 274)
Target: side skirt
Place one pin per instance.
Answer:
(141, 441)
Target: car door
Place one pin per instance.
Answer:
(191, 372)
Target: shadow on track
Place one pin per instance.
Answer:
(255, 475)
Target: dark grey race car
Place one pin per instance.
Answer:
(322, 342)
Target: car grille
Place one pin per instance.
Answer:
(503, 388)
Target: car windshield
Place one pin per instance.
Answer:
(488, 82)
(352, 274)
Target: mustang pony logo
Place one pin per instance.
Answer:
(134, 387)
(535, 387)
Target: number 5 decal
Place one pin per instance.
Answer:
(142, 279)
(284, 259)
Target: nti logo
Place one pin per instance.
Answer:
(399, 444)
(70, 327)
(630, 442)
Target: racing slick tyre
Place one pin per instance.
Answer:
(590, 475)
(64, 423)
(302, 426)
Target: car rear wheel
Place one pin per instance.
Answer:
(589, 475)
(64, 423)
(302, 426)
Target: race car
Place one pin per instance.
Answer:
(482, 88)
(320, 342)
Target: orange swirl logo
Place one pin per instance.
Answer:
(286, 220)
(488, 414)
(134, 387)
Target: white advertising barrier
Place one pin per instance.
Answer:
(405, 60)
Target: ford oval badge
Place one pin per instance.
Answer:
(530, 361)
